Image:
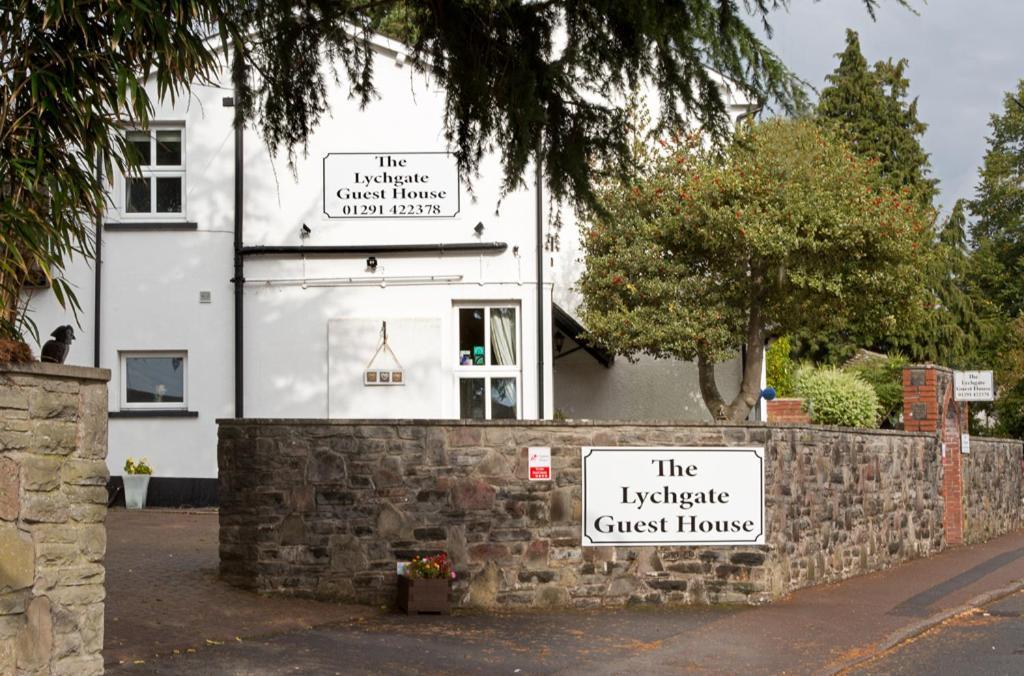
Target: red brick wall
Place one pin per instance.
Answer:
(928, 407)
(952, 476)
(787, 411)
(920, 401)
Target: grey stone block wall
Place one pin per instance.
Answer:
(53, 502)
(992, 488)
(326, 508)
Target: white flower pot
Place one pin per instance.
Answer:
(135, 488)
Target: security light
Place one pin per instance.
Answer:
(371, 263)
(479, 228)
(304, 232)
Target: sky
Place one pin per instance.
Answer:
(964, 55)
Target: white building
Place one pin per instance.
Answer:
(372, 226)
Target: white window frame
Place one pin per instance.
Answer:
(154, 171)
(488, 371)
(123, 358)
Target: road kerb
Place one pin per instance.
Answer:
(916, 629)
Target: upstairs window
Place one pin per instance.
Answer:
(158, 188)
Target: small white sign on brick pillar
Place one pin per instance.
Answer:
(973, 386)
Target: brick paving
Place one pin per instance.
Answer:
(163, 593)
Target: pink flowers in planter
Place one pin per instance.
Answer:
(430, 567)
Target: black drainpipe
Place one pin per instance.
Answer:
(540, 289)
(98, 263)
(239, 278)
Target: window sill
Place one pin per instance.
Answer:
(153, 413)
(141, 226)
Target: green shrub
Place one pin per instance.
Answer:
(802, 370)
(834, 397)
(780, 367)
(886, 377)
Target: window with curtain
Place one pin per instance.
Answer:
(487, 361)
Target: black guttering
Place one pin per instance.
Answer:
(239, 265)
(540, 288)
(364, 249)
(98, 263)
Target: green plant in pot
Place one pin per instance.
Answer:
(424, 584)
(136, 482)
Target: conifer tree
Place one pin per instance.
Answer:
(869, 108)
(997, 260)
(998, 208)
(529, 80)
(951, 332)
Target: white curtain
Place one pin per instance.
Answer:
(503, 336)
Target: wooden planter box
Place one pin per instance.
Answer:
(417, 595)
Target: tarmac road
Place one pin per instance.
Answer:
(465, 643)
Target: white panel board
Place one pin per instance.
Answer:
(416, 343)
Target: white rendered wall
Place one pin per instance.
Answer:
(288, 369)
(650, 389)
(287, 366)
(48, 315)
(152, 279)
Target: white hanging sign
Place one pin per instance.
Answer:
(373, 374)
(965, 443)
(673, 496)
(973, 386)
(391, 185)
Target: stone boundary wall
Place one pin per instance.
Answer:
(325, 508)
(992, 490)
(53, 502)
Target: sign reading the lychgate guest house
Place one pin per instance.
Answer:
(391, 185)
(673, 496)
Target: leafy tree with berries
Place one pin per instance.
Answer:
(785, 231)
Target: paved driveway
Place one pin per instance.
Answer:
(163, 593)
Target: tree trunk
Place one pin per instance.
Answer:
(750, 386)
(709, 388)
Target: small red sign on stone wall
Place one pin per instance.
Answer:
(540, 463)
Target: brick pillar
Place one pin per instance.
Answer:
(928, 407)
